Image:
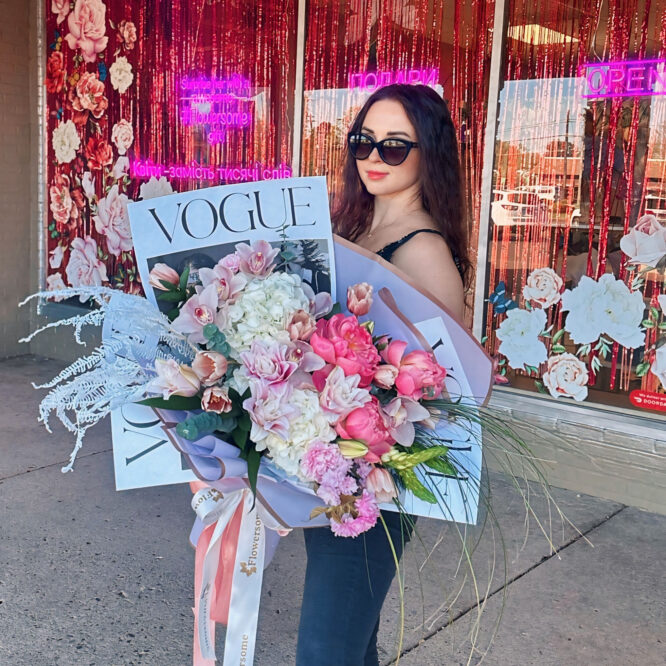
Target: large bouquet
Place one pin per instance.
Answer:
(279, 372)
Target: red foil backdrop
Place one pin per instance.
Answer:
(353, 47)
(573, 175)
(122, 64)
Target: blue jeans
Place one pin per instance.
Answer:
(346, 582)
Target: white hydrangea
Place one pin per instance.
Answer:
(65, 141)
(263, 310)
(310, 425)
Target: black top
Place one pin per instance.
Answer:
(388, 250)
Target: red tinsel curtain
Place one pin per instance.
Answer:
(147, 97)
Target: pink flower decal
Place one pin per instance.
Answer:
(87, 28)
(367, 424)
(420, 377)
(88, 98)
(84, 267)
(62, 206)
(367, 513)
(257, 259)
(122, 135)
(112, 221)
(209, 367)
(199, 310)
(61, 8)
(174, 379)
(646, 243)
(344, 342)
(227, 284)
(359, 298)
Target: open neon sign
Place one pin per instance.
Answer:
(628, 78)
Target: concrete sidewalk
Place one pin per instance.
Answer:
(89, 575)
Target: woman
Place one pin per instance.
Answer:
(401, 198)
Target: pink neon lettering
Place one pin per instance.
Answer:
(625, 79)
(196, 171)
(373, 80)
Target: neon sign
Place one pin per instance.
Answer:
(374, 80)
(226, 173)
(216, 104)
(629, 78)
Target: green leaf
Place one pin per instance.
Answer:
(413, 484)
(172, 314)
(195, 427)
(442, 466)
(240, 438)
(558, 336)
(654, 312)
(245, 422)
(484, 339)
(558, 349)
(648, 323)
(176, 402)
(540, 387)
(170, 286)
(253, 458)
(642, 369)
(183, 278)
(171, 296)
(662, 326)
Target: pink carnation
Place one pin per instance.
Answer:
(368, 513)
(420, 377)
(342, 341)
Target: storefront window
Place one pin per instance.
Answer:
(577, 243)
(146, 98)
(354, 47)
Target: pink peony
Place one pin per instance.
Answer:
(112, 221)
(174, 379)
(419, 374)
(84, 267)
(269, 411)
(400, 414)
(62, 205)
(216, 399)
(228, 285)
(344, 342)
(380, 483)
(209, 367)
(162, 272)
(301, 325)
(257, 259)
(367, 515)
(61, 8)
(122, 135)
(340, 395)
(367, 424)
(88, 97)
(267, 361)
(385, 375)
(198, 311)
(359, 298)
(87, 28)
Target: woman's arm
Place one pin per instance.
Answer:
(427, 259)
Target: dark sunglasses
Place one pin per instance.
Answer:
(391, 151)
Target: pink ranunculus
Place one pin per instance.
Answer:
(209, 367)
(162, 272)
(84, 267)
(257, 259)
(227, 284)
(269, 410)
(359, 298)
(344, 342)
(385, 375)
(198, 311)
(216, 399)
(381, 484)
(367, 514)
(420, 377)
(173, 379)
(62, 205)
(341, 394)
(646, 242)
(400, 414)
(267, 361)
(367, 424)
(89, 96)
(231, 261)
(112, 220)
(87, 28)
(61, 8)
(301, 325)
(122, 135)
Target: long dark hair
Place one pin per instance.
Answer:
(441, 188)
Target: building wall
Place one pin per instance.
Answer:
(16, 112)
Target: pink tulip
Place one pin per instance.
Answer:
(380, 483)
(359, 298)
(174, 379)
(162, 272)
(385, 375)
(216, 399)
(301, 325)
(209, 366)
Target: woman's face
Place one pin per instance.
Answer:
(387, 119)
